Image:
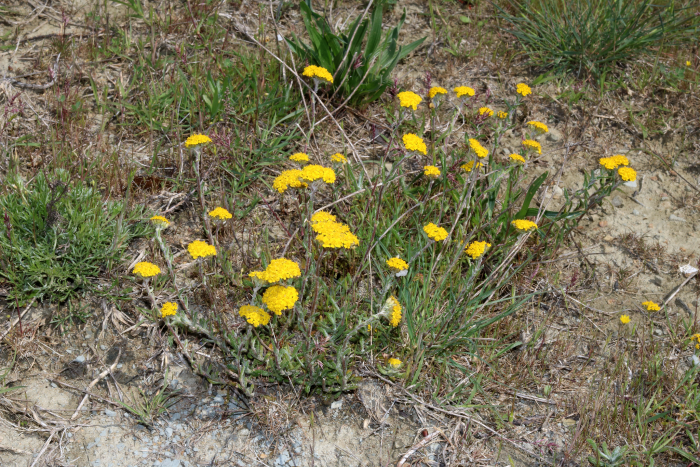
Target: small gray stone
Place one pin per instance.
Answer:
(119, 365)
(80, 359)
(635, 212)
(283, 458)
(617, 202)
(169, 432)
(218, 400)
(632, 184)
(103, 347)
(110, 413)
(232, 407)
(244, 432)
(554, 135)
(675, 218)
(54, 385)
(337, 404)
(69, 351)
(176, 416)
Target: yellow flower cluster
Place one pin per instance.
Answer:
(299, 157)
(397, 264)
(146, 269)
(338, 157)
(409, 99)
(486, 111)
(523, 225)
(434, 91)
(332, 234)
(539, 126)
(414, 143)
(523, 89)
(476, 146)
(168, 309)
(200, 249)
(464, 91)
(395, 307)
(434, 232)
(469, 166)
(278, 270)
(431, 171)
(196, 140)
(394, 362)
(254, 315)
(220, 213)
(624, 319)
(279, 298)
(518, 158)
(160, 221)
(628, 174)
(318, 72)
(651, 306)
(311, 173)
(476, 249)
(532, 144)
(502, 115)
(696, 337)
(288, 179)
(613, 162)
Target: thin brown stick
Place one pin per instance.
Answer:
(17, 320)
(94, 382)
(416, 447)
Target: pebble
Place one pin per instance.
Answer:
(80, 359)
(169, 432)
(283, 458)
(336, 404)
(603, 223)
(54, 385)
(103, 347)
(554, 135)
(675, 218)
(218, 400)
(609, 238)
(617, 202)
(244, 432)
(110, 413)
(635, 212)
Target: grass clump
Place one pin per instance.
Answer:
(592, 37)
(58, 235)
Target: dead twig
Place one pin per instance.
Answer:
(17, 320)
(94, 382)
(416, 447)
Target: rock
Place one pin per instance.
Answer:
(608, 238)
(554, 135)
(80, 359)
(283, 458)
(675, 218)
(244, 432)
(557, 192)
(635, 212)
(103, 347)
(110, 413)
(169, 432)
(631, 184)
(603, 223)
(337, 404)
(617, 202)
(218, 400)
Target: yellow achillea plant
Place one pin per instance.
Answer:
(200, 249)
(476, 146)
(278, 270)
(168, 309)
(469, 166)
(523, 225)
(502, 115)
(220, 213)
(624, 319)
(628, 174)
(299, 157)
(339, 158)
(146, 269)
(312, 173)
(434, 232)
(532, 144)
(485, 111)
(434, 91)
(196, 140)
(696, 337)
(394, 362)
(409, 100)
(288, 179)
(254, 315)
(461, 91)
(397, 264)
(335, 235)
(160, 221)
(538, 126)
(476, 249)
(320, 217)
(318, 72)
(517, 158)
(414, 143)
(651, 306)
(279, 298)
(613, 162)
(523, 89)
(431, 171)
(394, 311)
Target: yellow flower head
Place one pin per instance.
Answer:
(335, 235)
(476, 249)
(288, 179)
(254, 315)
(613, 162)
(651, 306)
(538, 126)
(469, 166)
(397, 264)
(431, 171)
(687, 63)
(278, 270)
(476, 146)
(624, 319)
(523, 225)
(200, 249)
(196, 140)
(168, 309)
(464, 91)
(338, 157)
(523, 89)
(502, 115)
(414, 143)
(160, 222)
(279, 298)
(299, 157)
(628, 174)
(409, 99)
(394, 362)
(311, 173)
(486, 111)
(697, 338)
(395, 310)
(517, 158)
(434, 232)
(220, 213)
(318, 72)
(532, 144)
(321, 217)
(146, 269)
(434, 91)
